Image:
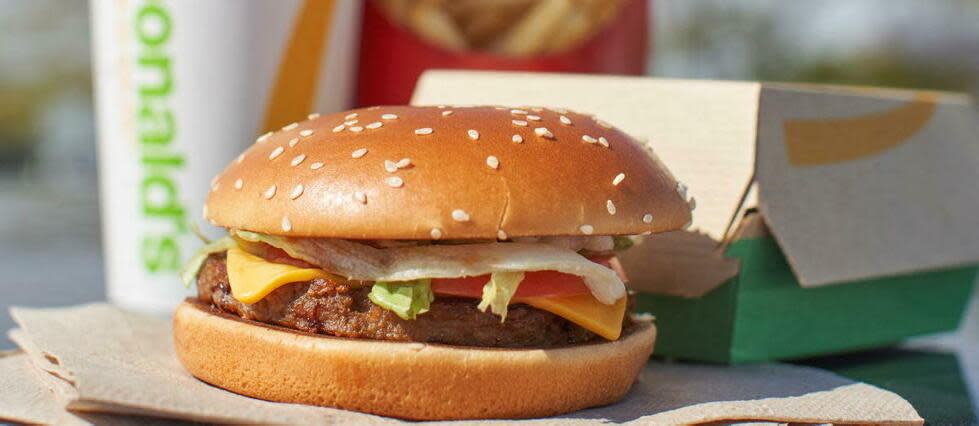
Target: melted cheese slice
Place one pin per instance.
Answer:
(584, 310)
(251, 278)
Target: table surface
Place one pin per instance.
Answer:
(56, 260)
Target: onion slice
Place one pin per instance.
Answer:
(358, 261)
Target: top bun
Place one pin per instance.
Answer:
(402, 172)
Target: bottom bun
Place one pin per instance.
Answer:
(415, 381)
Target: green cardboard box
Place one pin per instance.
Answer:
(828, 219)
(763, 313)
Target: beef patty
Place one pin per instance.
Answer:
(328, 307)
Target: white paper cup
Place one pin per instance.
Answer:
(181, 88)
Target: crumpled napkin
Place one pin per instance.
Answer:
(98, 358)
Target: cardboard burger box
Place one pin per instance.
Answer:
(828, 219)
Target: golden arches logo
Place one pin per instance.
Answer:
(826, 141)
(295, 81)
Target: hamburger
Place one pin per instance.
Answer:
(428, 263)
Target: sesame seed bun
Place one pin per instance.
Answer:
(402, 172)
(407, 380)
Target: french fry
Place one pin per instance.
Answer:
(530, 35)
(483, 20)
(467, 8)
(604, 10)
(578, 24)
(431, 21)
(508, 27)
(396, 10)
(591, 17)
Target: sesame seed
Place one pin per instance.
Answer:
(214, 181)
(276, 152)
(603, 124)
(305, 132)
(436, 233)
(565, 120)
(241, 157)
(360, 196)
(374, 125)
(339, 128)
(610, 206)
(587, 229)
(533, 117)
(293, 142)
(544, 133)
(647, 218)
(405, 162)
(316, 166)
(439, 106)
(693, 204)
(618, 179)
(263, 137)
(501, 235)
(682, 190)
(389, 117)
(204, 211)
(356, 129)
(603, 141)
(359, 153)
(215, 187)
(350, 116)
(493, 162)
(517, 139)
(560, 110)
(390, 166)
(474, 135)
(519, 122)
(290, 126)
(688, 224)
(394, 182)
(313, 116)
(286, 224)
(296, 192)
(239, 183)
(518, 112)
(446, 113)
(460, 215)
(269, 193)
(589, 139)
(423, 131)
(537, 109)
(351, 122)
(297, 160)
(646, 233)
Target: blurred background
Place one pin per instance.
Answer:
(48, 175)
(49, 215)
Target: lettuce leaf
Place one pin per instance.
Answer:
(622, 242)
(498, 292)
(189, 272)
(357, 261)
(408, 299)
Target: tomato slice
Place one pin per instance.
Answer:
(534, 284)
(271, 254)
